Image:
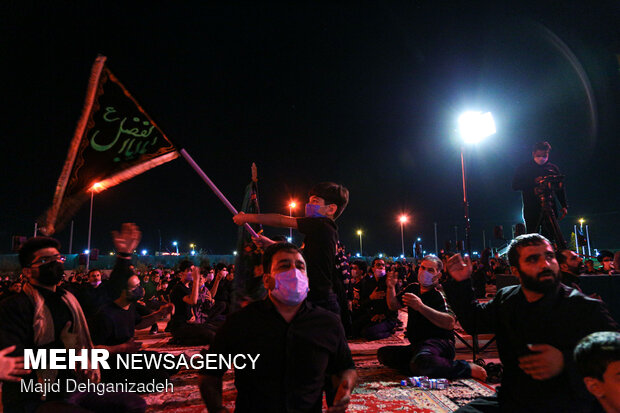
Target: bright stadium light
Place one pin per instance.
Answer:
(144, 252)
(475, 126)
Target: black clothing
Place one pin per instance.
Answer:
(570, 280)
(560, 319)
(321, 237)
(16, 328)
(419, 328)
(294, 357)
(525, 181)
(114, 325)
(182, 310)
(377, 306)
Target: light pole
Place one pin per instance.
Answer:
(473, 127)
(359, 232)
(95, 187)
(291, 206)
(403, 220)
(176, 244)
(193, 247)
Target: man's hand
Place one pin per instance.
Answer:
(547, 362)
(413, 301)
(563, 213)
(11, 367)
(377, 295)
(128, 239)
(377, 318)
(458, 269)
(343, 395)
(391, 279)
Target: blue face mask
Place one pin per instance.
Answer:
(312, 211)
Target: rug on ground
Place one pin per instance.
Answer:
(378, 389)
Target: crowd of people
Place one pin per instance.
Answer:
(304, 306)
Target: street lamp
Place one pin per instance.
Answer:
(193, 247)
(96, 187)
(291, 206)
(473, 127)
(176, 244)
(403, 220)
(359, 232)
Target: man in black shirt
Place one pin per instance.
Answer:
(326, 202)
(374, 320)
(430, 328)
(183, 330)
(297, 343)
(527, 178)
(45, 316)
(537, 325)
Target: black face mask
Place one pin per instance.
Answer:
(136, 294)
(51, 273)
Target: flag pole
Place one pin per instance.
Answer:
(214, 188)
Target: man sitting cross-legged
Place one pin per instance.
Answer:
(429, 329)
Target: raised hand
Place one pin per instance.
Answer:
(458, 268)
(412, 300)
(11, 368)
(127, 240)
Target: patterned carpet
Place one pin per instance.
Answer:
(378, 390)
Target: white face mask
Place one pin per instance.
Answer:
(541, 160)
(379, 272)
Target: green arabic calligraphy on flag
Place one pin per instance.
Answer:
(115, 140)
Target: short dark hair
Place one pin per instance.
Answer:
(34, 244)
(375, 260)
(595, 352)
(525, 240)
(273, 249)
(361, 265)
(332, 193)
(541, 146)
(185, 264)
(561, 257)
(220, 266)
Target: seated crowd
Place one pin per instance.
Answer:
(302, 336)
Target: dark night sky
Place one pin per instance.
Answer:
(364, 95)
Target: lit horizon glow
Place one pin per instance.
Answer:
(475, 126)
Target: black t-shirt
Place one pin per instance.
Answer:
(321, 237)
(182, 310)
(114, 325)
(294, 357)
(420, 328)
